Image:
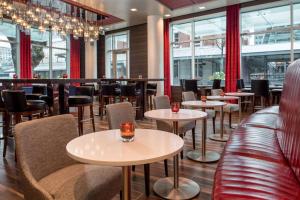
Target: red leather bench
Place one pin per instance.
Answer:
(261, 160)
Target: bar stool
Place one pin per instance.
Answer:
(84, 97)
(39, 92)
(108, 94)
(128, 92)
(260, 88)
(17, 105)
(151, 92)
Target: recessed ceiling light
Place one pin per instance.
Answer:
(167, 15)
(133, 9)
(202, 7)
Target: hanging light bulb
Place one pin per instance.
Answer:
(42, 28)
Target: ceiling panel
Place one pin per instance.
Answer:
(175, 4)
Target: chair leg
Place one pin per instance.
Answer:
(147, 178)
(92, 117)
(79, 117)
(133, 168)
(166, 168)
(214, 124)
(230, 120)
(181, 153)
(194, 138)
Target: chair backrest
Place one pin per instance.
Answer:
(152, 86)
(39, 89)
(240, 84)
(188, 96)
(108, 89)
(161, 102)
(128, 90)
(289, 112)
(216, 92)
(190, 85)
(119, 113)
(260, 87)
(85, 90)
(41, 145)
(216, 84)
(14, 100)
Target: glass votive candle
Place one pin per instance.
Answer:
(175, 107)
(65, 75)
(127, 131)
(222, 94)
(203, 98)
(15, 76)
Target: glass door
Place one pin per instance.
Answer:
(120, 64)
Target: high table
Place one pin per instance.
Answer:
(106, 148)
(61, 87)
(176, 187)
(206, 156)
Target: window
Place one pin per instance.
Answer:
(8, 50)
(269, 43)
(117, 53)
(198, 49)
(49, 54)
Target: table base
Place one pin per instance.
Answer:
(217, 137)
(210, 156)
(187, 189)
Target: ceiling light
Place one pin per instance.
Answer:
(167, 15)
(133, 9)
(202, 7)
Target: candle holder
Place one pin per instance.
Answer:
(175, 107)
(15, 76)
(222, 94)
(127, 131)
(203, 98)
(65, 75)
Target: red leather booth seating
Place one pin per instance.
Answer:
(261, 160)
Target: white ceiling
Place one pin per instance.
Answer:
(121, 9)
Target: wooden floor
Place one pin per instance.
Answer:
(11, 189)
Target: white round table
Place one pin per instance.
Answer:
(107, 148)
(176, 187)
(206, 156)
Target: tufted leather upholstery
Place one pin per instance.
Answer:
(261, 160)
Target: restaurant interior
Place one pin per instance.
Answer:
(149, 99)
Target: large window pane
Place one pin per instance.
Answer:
(182, 62)
(8, 50)
(210, 28)
(40, 61)
(40, 38)
(59, 62)
(58, 41)
(182, 32)
(266, 19)
(121, 41)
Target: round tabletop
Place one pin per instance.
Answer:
(107, 148)
(239, 94)
(222, 98)
(201, 104)
(182, 115)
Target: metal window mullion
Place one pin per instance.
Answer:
(50, 55)
(193, 50)
(292, 31)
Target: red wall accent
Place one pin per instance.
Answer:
(74, 57)
(232, 48)
(167, 73)
(25, 56)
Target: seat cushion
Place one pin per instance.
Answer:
(244, 177)
(261, 120)
(35, 105)
(33, 96)
(260, 143)
(229, 108)
(79, 100)
(210, 113)
(183, 126)
(47, 99)
(83, 182)
(269, 110)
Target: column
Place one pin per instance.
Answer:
(90, 60)
(155, 29)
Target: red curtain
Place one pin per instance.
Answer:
(232, 48)
(74, 58)
(167, 73)
(25, 56)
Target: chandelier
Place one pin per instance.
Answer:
(56, 15)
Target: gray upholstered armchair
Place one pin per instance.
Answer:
(47, 171)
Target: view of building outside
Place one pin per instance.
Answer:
(267, 38)
(48, 54)
(116, 48)
(198, 49)
(8, 50)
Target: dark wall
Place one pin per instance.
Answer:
(138, 52)
(82, 58)
(101, 56)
